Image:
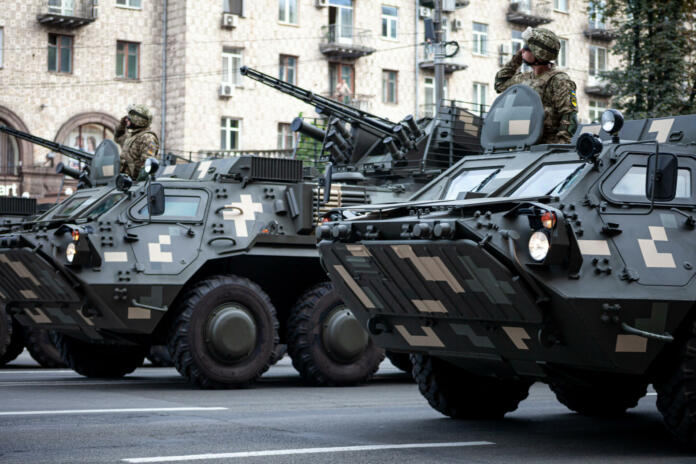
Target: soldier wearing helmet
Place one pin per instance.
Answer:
(137, 142)
(556, 89)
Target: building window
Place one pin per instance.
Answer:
(287, 11)
(560, 5)
(523, 6)
(231, 62)
(129, 3)
(288, 69)
(341, 82)
(390, 22)
(516, 44)
(596, 15)
(389, 86)
(597, 107)
(86, 137)
(598, 60)
(60, 50)
(234, 6)
(127, 60)
(563, 54)
(230, 130)
(9, 154)
(480, 39)
(62, 7)
(286, 137)
(479, 102)
(2, 37)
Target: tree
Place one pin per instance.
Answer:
(655, 41)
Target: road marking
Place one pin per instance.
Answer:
(107, 411)
(652, 394)
(288, 452)
(45, 371)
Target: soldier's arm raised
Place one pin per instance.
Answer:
(565, 103)
(507, 71)
(120, 131)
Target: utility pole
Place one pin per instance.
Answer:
(439, 55)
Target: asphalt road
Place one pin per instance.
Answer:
(56, 416)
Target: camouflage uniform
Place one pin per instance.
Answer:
(137, 143)
(556, 89)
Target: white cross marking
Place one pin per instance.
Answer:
(248, 209)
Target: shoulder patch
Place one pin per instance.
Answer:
(573, 99)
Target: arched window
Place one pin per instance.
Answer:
(9, 153)
(86, 131)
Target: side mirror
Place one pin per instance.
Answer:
(155, 199)
(661, 177)
(326, 182)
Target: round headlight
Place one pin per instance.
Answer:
(612, 121)
(70, 252)
(539, 246)
(151, 166)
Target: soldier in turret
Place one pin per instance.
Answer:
(136, 140)
(555, 87)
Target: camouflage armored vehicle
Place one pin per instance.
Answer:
(567, 264)
(216, 259)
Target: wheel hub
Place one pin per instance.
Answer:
(231, 332)
(343, 336)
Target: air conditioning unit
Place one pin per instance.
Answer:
(449, 5)
(226, 90)
(457, 24)
(321, 3)
(424, 12)
(229, 20)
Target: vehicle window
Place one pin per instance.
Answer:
(633, 183)
(74, 204)
(105, 205)
(551, 179)
(177, 206)
(467, 181)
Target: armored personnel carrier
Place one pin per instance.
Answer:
(567, 264)
(217, 259)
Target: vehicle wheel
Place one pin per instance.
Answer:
(41, 347)
(607, 397)
(327, 344)
(279, 353)
(11, 338)
(461, 395)
(401, 361)
(676, 395)
(98, 360)
(159, 356)
(225, 333)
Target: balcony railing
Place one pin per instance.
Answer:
(598, 86)
(359, 101)
(597, 30)
(68, 14)
(346, 42)
(528, 13)
(427, 60)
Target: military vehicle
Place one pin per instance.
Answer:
(567, 264)
(215, 258)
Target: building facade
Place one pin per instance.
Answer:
(69, 68)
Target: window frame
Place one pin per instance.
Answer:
(285, 8)
(284, 134)
(480, 107)
(563, 52)
(387, 74)
(597, 72)
(58, 53)
(2, 47)
(233, 71)
(127, 5)
(556, 6)
(126, 44)
(229, 129)
(201, 194)
(599, 109)
(480, 39)
(538, 172)
(284, 68)
(391, 22)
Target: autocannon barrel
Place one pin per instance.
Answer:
(304, 128)
(70, 152)
(62, 168)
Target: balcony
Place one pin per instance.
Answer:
(68, 14)
(598, 87)
(346, 42)
(358, 101)
(526, 13)
(426, 60)
(598, 31)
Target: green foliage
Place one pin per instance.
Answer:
(656, 43)
(310, 150)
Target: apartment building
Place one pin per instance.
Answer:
(69, 68)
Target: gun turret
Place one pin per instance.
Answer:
(101, 167)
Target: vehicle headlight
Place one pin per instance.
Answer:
(539, 246)
(70, 252)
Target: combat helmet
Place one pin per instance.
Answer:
(139, 115)
(543, 43)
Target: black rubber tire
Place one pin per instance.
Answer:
(159, 356)
(193, 358)
(600, 397)
(676, 394)
(41, 347)
(400, 360)
(458, 394)
(99, 360)
(280, 351)
(310, 357)
(11, 337)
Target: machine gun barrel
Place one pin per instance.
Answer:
(70, 152)
(369, 122)
(304, 128)
(61, 168)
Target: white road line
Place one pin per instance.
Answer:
(45, 371)
(82, 382)
(107, 411)
(287, 452)
(652, 394)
